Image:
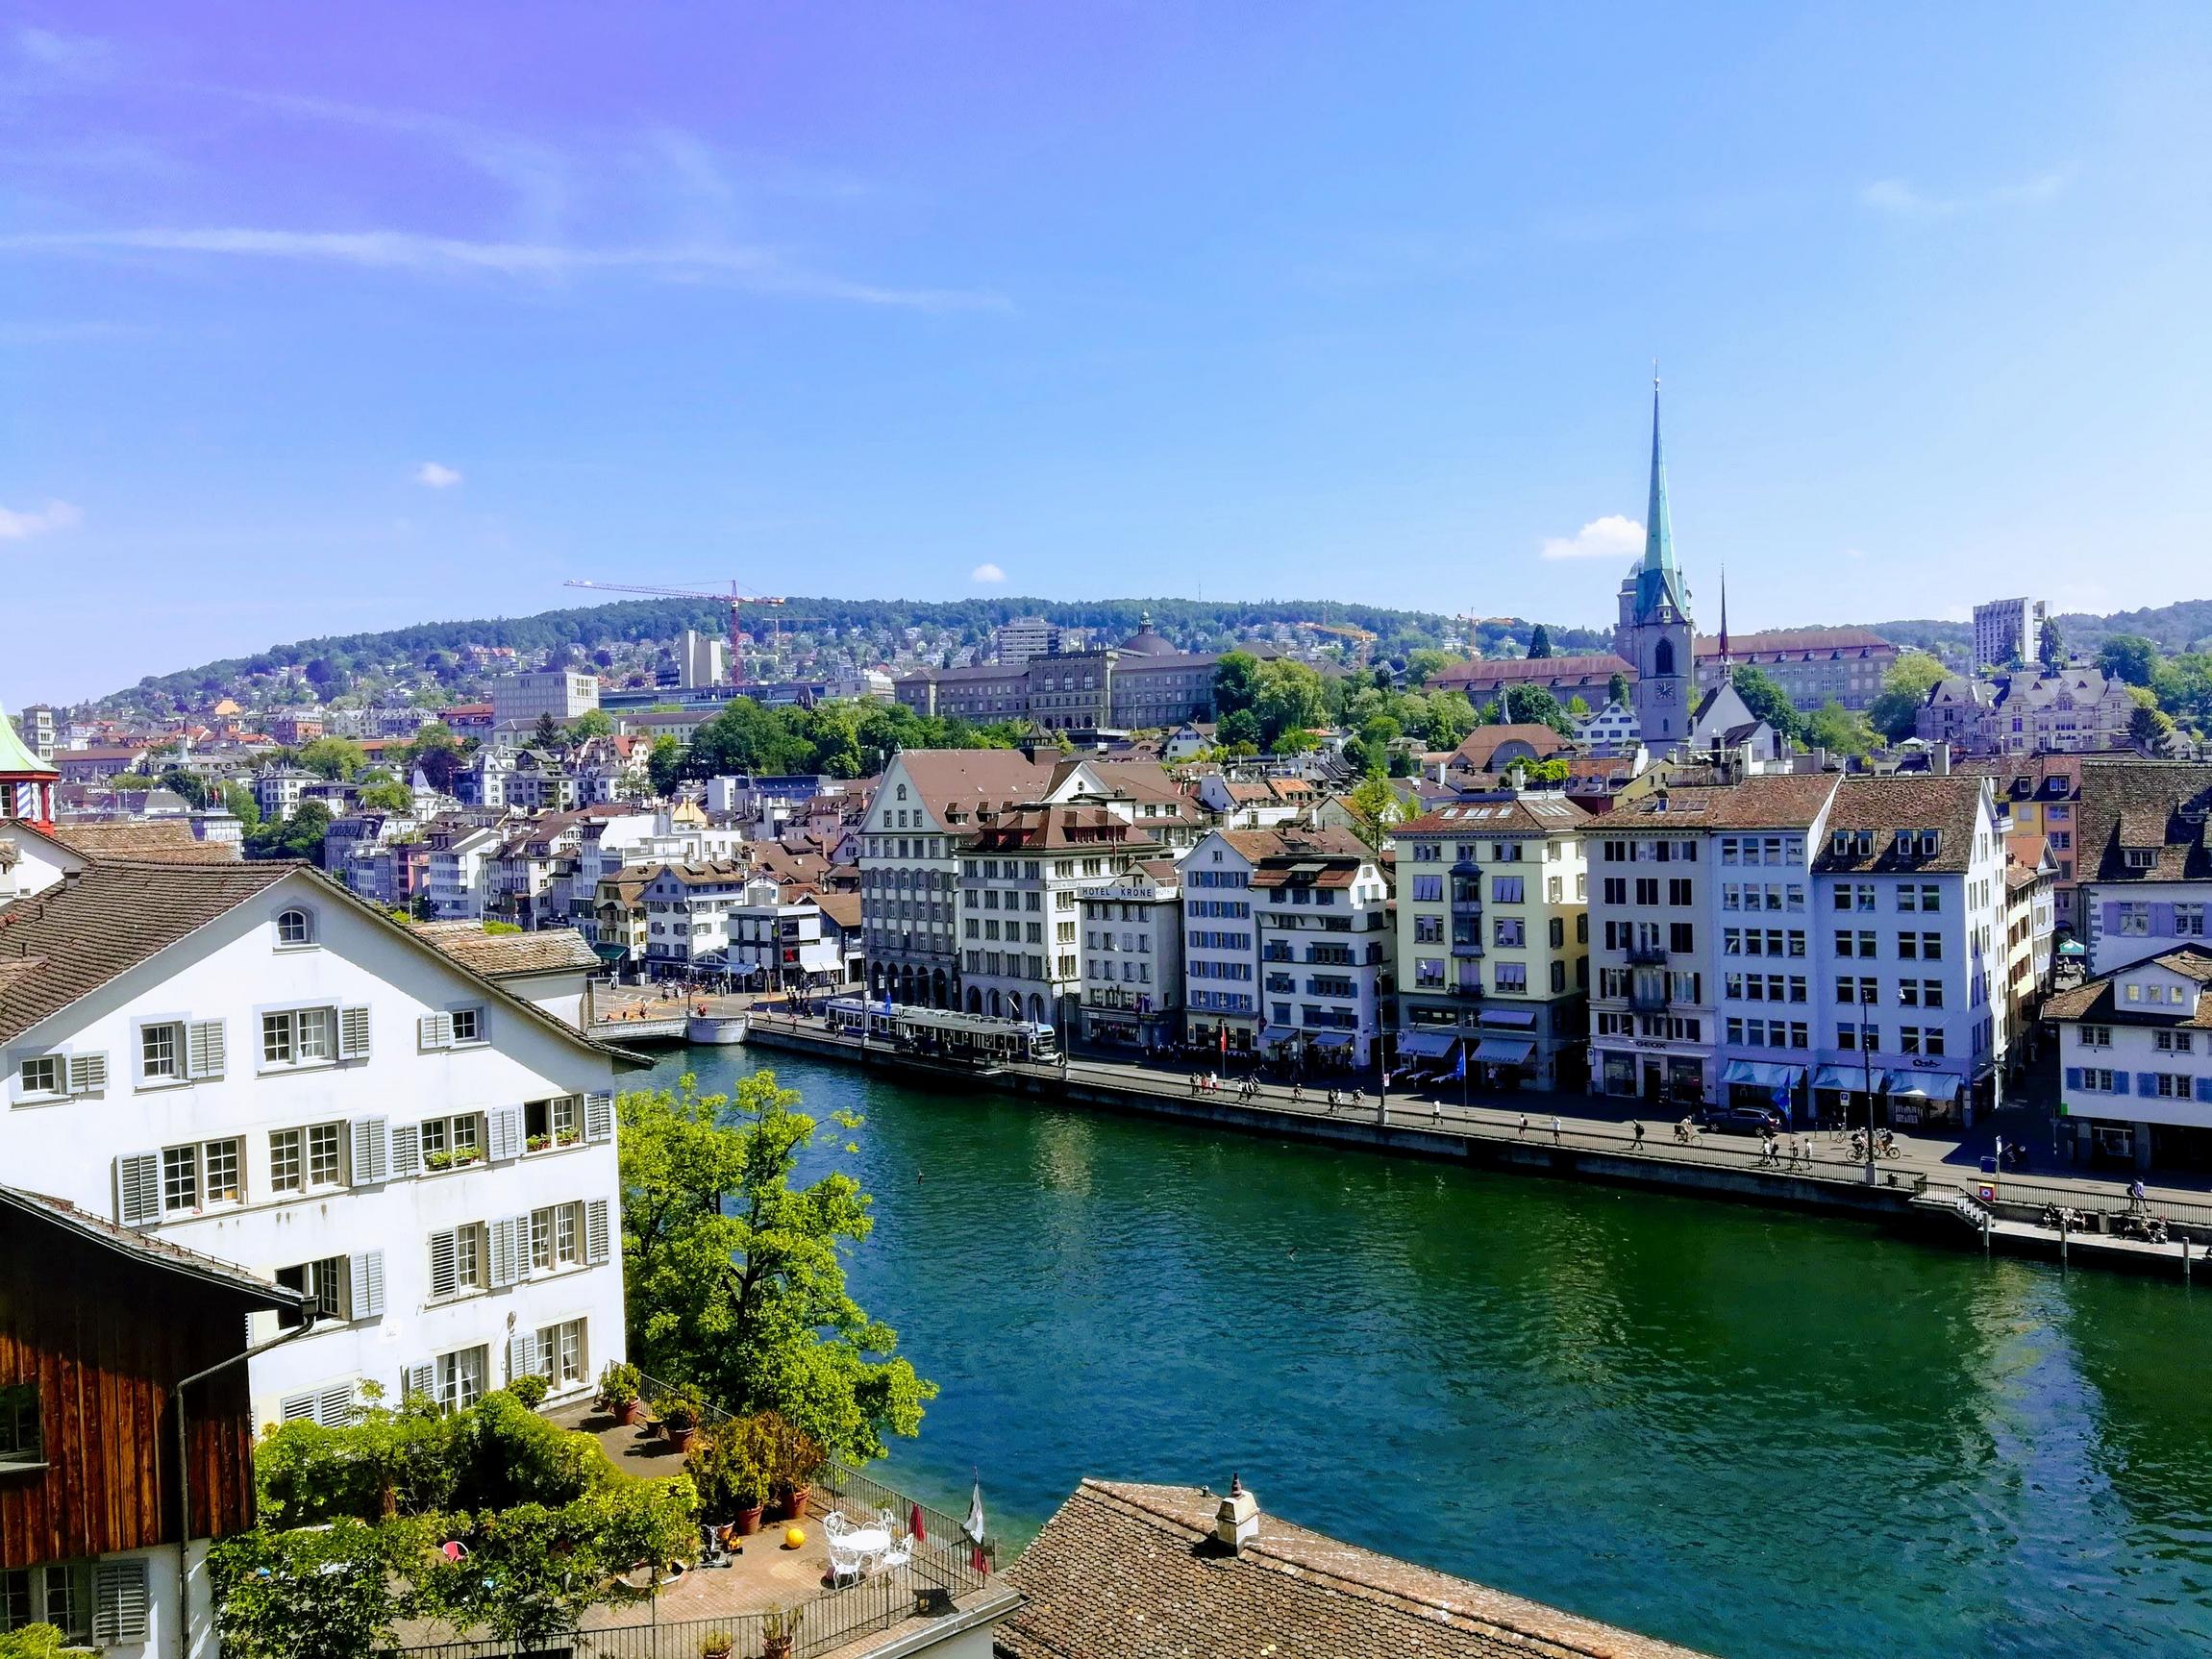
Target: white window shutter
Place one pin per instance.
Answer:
(506, 1253)
(434, 1030)
(444, 1268)
(505, 1124)
(296, 1406)
(420, 1379)
(138, 1189)
(334, 1409)
(406, 1150)
(354, 1033)
(204, 1049)
(365, 1276)
(597, 1245)
(118, 1601)
(599, 1117)
(88, 1074)
(372, 1150)
(521, 1354)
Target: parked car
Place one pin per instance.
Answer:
(1742, 1119)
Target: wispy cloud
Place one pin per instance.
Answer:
(69, 57)
(431, 476)
(986, 572)
(22, 525)
(761, 269)
(1901, 198)
(1613, 536)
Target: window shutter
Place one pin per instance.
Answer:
(365, 1272)
(596, 1244)
(2205, 1089)
(204, 1049)
(521, 1354)
(504, 1132)
(599, 1117)
(354, 1033)
(336, 1408)
(2147, 1082)
(138, 1189)
(419, 1379)
(88, 1074)
(444, 1271)
(296, 1406)
(2120, 1082)
(506, 1262)
(372, 1151)
(2073, 1077)
(435, 1031)
(118, 1601)
(407, 1150)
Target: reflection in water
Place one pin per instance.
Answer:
(1758, 1434)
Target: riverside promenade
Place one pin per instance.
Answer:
(1933, 1187)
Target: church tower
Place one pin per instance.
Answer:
(1656, 633)
(27, 783)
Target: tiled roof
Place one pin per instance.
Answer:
(942, 776)
(1482, 744)
(1296, 840)
(1130, 1572)
(1525, 670)
(842, 907)
(2148, 803)
(1743, 647)
(1785, 801)
(1523, 815)
(67, 942)
(151, 1250)
(1884, 806)
(493, 955)
(2098, 1000)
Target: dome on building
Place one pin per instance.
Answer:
(1144, 642)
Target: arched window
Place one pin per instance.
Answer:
(1664, 659)
(295, 926)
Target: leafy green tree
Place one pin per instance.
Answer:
(387, 798)
(591, 723)
(736, 1278)
(334, 758)
(1292, 697)
(196, 790)
(1837, 730)
(1424, 665)
(1239, 725)
(546, 733)
(1769, 701)
(1236, 682)
(1374, 807)
(2152, 728)
(239, 801)
(299, 836)
(1904, 689)
(316, 1592)
(1617, 689)
(2128, 656)
(664, 766)
(2050, 646)
(1540, 641)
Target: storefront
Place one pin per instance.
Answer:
(1660, 1079)
(1426, 1056)
(1505, 1062)
(1767, 1083)
(1331, 1051)
(1927, 1100)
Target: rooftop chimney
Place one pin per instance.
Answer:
(1236, 1523)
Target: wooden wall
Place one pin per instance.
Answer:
(104, 1338)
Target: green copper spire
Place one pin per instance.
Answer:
(1658, 582)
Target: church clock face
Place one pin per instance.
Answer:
(1665, 689)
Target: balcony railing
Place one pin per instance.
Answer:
(1646, 955)
(1466, 950)
(1648, 1000)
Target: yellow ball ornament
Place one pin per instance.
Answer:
(794, 1537)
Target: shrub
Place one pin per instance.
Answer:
(729, 1465)
(619, 1384)
(529, 1390)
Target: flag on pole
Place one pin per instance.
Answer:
(973, 1526)
(1459, 1066)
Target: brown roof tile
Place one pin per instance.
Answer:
(1788, 801)
(155, 840)
(1884, 806)
(494, 955)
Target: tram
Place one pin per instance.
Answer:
(976, 1040)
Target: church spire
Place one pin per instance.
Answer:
(1727, 669)
(1658, 533)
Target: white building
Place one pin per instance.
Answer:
(522, 699)
(2006, 632)
(278, 790)
(1024, 638)
(782, 943)
(2135, 1057)
(1132, 958)
(687, 907)
(248, 1062)
(459, 879)
(702, 659)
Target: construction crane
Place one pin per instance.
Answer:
(735, 599)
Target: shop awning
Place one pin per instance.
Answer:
(1931, 1085)
(2072, 948)
(1505, 1051)
(1763, 1074)
(1424, 1044)
(1275, 1037)
(1512, 1019)
(1845, 1077)
(1330, 1039)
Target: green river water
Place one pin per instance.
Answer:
(1752, 1432)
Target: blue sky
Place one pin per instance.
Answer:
(314, 319)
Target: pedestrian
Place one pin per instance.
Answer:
(2137, 1198)
(1522, 1134)
(1555, 1130)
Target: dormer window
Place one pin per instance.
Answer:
(1843, 843)
(1929, 839)
(296, 927)
(1865, 843)
(2141, 857)
(1905, 843)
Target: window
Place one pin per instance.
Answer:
(555, 1235)
(447, 1142)
(61, 1596)
(460, 1379)
(2175, 1085)
(160, 1051)
(2135, 918)
(324, 1168)
(560, 1353)
(1506, 889)
(323, 1283)
(2097, 1036)
(219, 1166)
(20, 1441)
(1681, 937)
(44, 1075)
(296, 927)
(2176, 1042)
(1511, 932)
(1512, 978)
(2099, 1079)
(180, 1179)
(299, 1037)
(555, 1123)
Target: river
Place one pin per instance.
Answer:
(1756, 1433)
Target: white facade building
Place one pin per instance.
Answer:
(2006, 632)
(1132, 958)
(2135, 1057)
(522, 699)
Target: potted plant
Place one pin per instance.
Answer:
(717, 1644)
(619, 1389)
(779, 1629)
(535, 1143)
(726, 1465)
(796, 1457)
(679, 1409)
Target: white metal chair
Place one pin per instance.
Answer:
(898, 1554)
(845, 1565)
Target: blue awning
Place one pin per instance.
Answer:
(1931, 1085)
(1424, 1044)
(1503, 1052)
(1512, 1018)
(1329, 1039)
(1763, 1075)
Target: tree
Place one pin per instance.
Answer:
(1617, 689)
(1235, 682)
(1577, 706)
(436, 753)
(591, 723)
(299, 836)
(1769, 701)
(736, 1280)
(1292, 697)
(1424, 665)
(1905, 687)
(334, 758)
(546, 733)
(2128, 656)
(1374, 807)
(1540, 641)
(196, 790)
(387, 797)
(315, 1592)
(1837, 730)
(1239, 726)
(239, 803)
(2150, 728)
(1536, 705)
(2051, 646)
